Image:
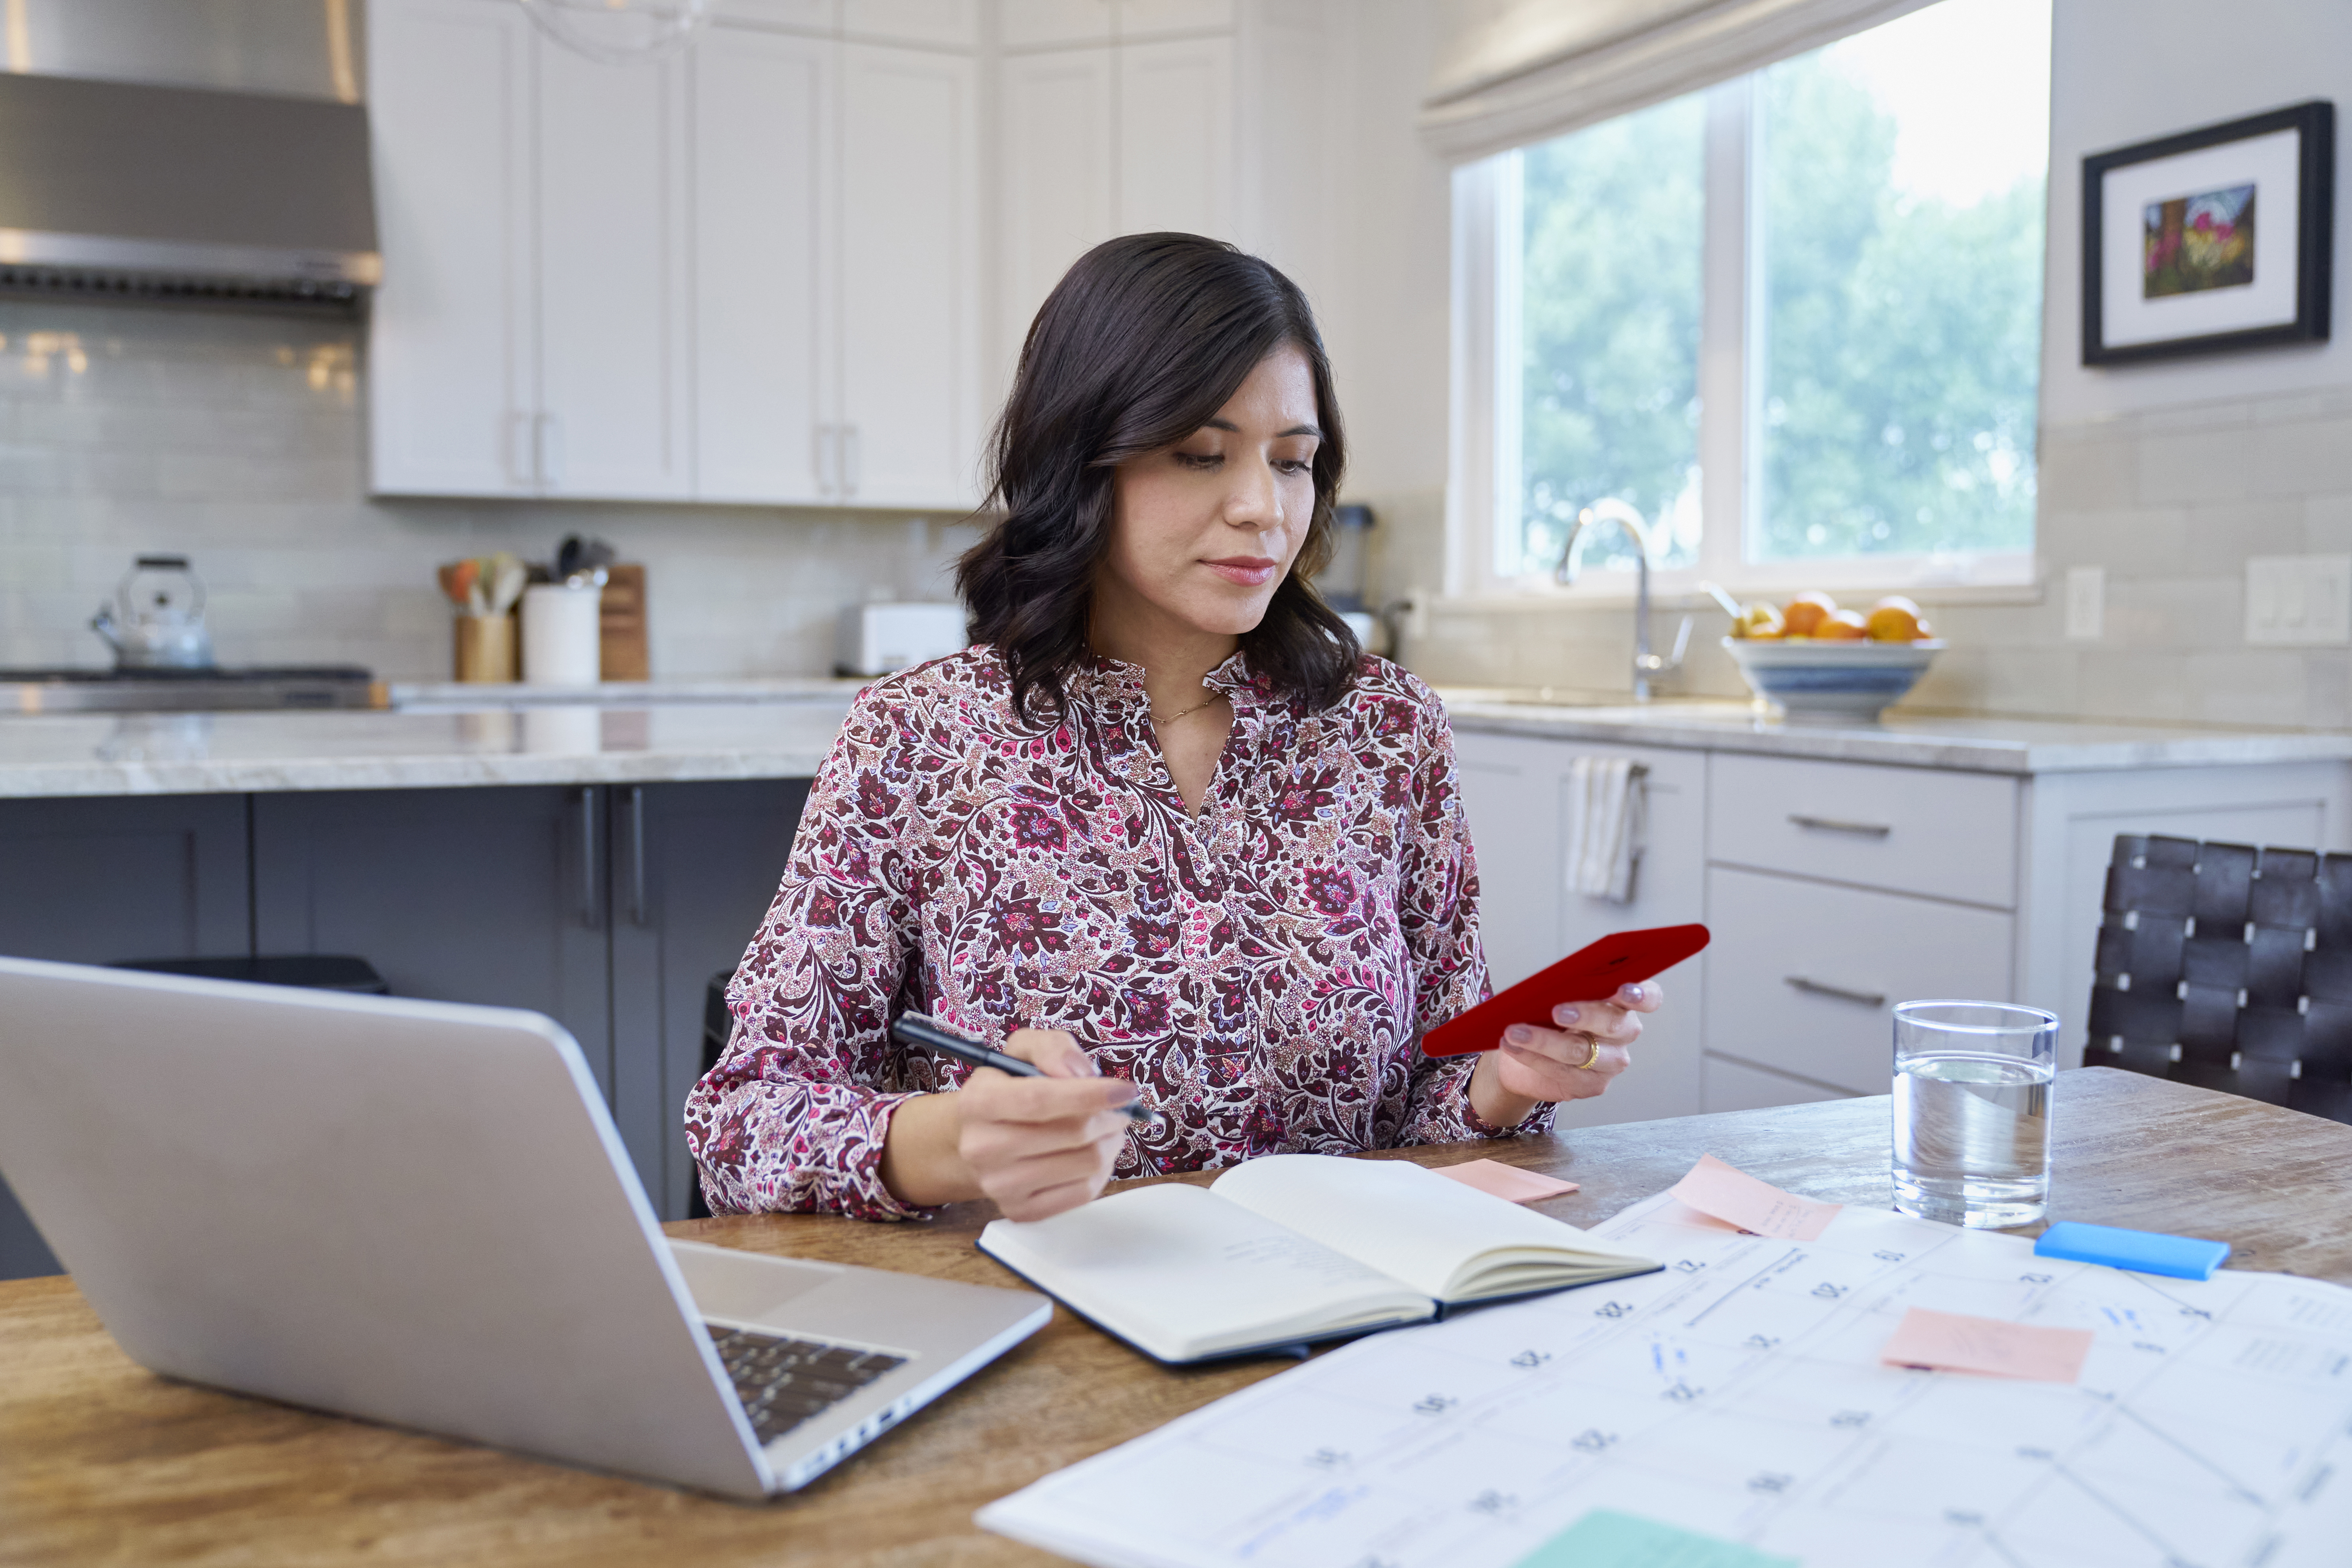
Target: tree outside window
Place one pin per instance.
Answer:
(1894, 247)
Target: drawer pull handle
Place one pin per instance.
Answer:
(1816, 988)
(1831, 825)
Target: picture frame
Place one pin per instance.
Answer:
(2212, 240)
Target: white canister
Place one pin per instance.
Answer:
(561, 635)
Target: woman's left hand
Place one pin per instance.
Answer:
(1574, 1061)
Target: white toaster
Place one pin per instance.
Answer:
(875, 639)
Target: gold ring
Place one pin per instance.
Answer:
(1591, 1056)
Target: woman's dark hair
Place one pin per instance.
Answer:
(1136, 349)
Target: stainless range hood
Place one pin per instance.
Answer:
(142, 189)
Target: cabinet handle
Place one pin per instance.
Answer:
(1831, 825)
(523, 449)
(636, 821)
(548, 455)
(585, 800)
(851, 467)
(822, 439)
(1816, 988)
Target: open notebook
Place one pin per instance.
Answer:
(1293, 1247)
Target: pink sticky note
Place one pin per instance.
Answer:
(1954, 1341)
(1714, 1187)
(1505, 1182)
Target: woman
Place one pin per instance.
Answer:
(1163, 831)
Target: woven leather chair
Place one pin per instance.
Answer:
(2229, 968)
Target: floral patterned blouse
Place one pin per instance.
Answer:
(1262, 972)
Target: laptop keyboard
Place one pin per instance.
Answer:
(783, 1382)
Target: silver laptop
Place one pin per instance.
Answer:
(420, 1213)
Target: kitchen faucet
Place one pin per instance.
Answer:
(1645, 663)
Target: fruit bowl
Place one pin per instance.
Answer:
(1825, 682)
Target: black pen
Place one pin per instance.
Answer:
(922, 1029)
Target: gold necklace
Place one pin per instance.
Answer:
(1196, 706)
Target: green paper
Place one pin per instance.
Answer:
(1607, 1538)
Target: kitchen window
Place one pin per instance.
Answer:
(1793, 320)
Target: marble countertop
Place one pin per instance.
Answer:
(1973, 744)
(199, 753)
(442, 736)
(450, 696)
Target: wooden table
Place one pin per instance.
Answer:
(102, 1462)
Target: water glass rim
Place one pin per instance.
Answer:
(2042, 1020)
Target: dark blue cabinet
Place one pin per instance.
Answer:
(606, 907)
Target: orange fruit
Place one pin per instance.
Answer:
(1846, 626)
(1806, 612)
(1895, 619)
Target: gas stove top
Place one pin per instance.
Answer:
(218, 689)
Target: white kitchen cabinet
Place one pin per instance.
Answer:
(1157, 18)
(1835, 888)
(1802, 976)
(1176, 137)
(749, 274)
(836, 273)
(614, 363)
(1733, 1085)
(937, 23)
(821, 18)
(909, 299)
(932, 24)
(1913, 830)
(1115, 137)
(530, 336)
(766, 266)
(1515, 795)
(1056, 194)
(1053, 24)
(452, 374)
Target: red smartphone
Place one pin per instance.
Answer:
(1588, 974)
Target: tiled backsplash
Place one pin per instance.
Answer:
(2171, 503)
(238, 441)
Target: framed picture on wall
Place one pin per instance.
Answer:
(2212, 240)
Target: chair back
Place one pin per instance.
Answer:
(2228, 967)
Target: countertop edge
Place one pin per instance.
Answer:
(293, 775)
(1925, 749)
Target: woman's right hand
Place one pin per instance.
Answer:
(1037, 1146)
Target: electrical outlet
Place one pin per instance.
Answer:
(2299, 599)
(2086, 604)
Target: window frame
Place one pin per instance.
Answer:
(1487, 376)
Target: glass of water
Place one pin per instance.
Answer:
(1973, 1112)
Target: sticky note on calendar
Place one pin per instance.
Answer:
(1955, 1341)
(1737, 1198)
(1608, 1539)
(1505, 1182)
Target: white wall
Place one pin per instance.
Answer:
(2130, 70)
(2167, 476)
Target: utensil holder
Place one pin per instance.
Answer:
(560, 634)
(484, 648)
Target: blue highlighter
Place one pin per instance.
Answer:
(2141, 1251)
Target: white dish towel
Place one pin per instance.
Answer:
(1608, 811)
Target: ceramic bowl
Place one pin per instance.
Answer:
(1833, 682)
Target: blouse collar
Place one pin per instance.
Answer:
(1114, 683)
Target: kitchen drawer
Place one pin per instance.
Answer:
(1910, 830)
(1741, 1085)
(1800, 977)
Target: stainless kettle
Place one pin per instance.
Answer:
(157, 619)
